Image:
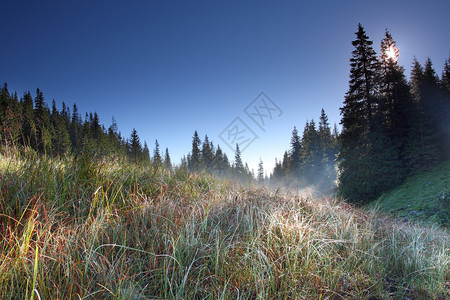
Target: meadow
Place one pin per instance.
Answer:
(83, 228)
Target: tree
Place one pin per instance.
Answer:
(207, 154)
(134, 147)
(238, 165)
(295, 155)
(28, 126)
(194, 161)
(145, 154)
(358, 123)
(260, 177)
(60, 138)
(157, 160)
(394, 114)
(167, 160)
(43, 125)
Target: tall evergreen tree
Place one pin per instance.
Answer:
(43, 125)
(357, 171)
(28, 126)
(145, 154)
(260, 177)
(207, 154)
(134, 146)
(167, 160)
(157, 160)
(295, 156)
(394, 115)
(194, 161)
(238, 165)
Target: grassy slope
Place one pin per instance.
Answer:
(89, 230)
(424, 196)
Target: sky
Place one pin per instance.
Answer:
(238, 71)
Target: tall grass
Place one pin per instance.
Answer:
(84, 229)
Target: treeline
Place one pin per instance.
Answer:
(31, 123)
(391, 128)
(311, 158)
(205, 157)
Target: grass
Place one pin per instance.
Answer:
(83, 229)
(423, 197)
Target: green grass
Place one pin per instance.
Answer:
(422, 197)
(83, 229)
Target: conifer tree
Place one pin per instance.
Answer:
(358, 123)
(295, 156)
(28, 126)
(60, 138)
(239, 169)
(134, 146)
(207, 154)
(394, 116)
(43, 125)
(194, 161)
(167, 160)
(260, 177)
(157, 160)
(145, 154)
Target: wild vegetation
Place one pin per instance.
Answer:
(87, 214)
(77, 228)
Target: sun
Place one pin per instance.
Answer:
(392, 53)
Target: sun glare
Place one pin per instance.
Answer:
(391, 53)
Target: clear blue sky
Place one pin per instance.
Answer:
(168, 68)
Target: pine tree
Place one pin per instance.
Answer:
(167, 160)
(358, 123)
(157, 160)
(260, 177)
(295, 155)
(134, 146)
(394, 114)
(60, 139)
(238, 165)
(207, 154)
(422, 149)
(29, 130)
(145, 154)
(43, 125)
(194, 162)
(75, 130)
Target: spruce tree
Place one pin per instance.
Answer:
(207, 154)
(167, 160)
(194, 161)
(157, 160)
(28, 126)
(394, 116)
(260, 177)
(357, 171)
(295, 156)
(134, 146)
(43, 125)
(145, 154)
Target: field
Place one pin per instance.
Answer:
(75, 228)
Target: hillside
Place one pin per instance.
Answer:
(74, 228)
(422, 197)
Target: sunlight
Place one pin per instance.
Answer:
(392, 53)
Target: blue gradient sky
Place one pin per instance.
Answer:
(168, 68)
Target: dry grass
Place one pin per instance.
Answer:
(80, 229)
